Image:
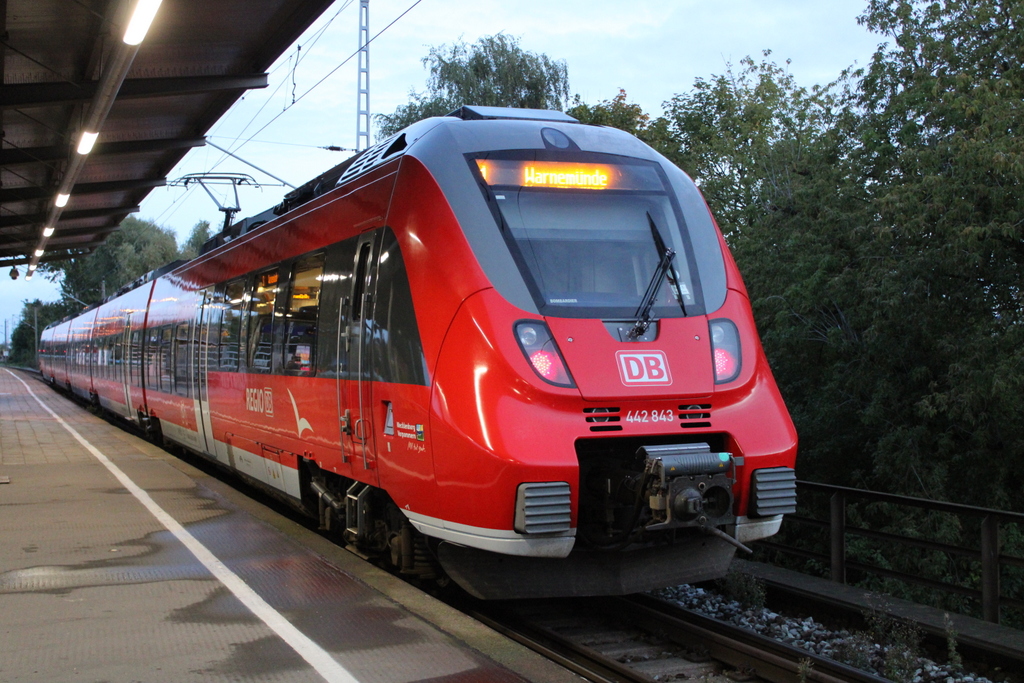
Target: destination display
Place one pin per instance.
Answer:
(566, 175)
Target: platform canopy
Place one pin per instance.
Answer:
(66, 67)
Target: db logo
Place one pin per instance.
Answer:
(644, 368)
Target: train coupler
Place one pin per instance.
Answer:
(688, 485)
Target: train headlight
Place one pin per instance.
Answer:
(527, 335)
(539, 347)
(725, 350)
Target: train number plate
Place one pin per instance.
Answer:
(650, 416)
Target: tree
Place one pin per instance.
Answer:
(619, 113)
(24, 335)
(878, 224)
(775, 163)
(749, 138)
(196, 239)
(941, 142)
(495, 71)
(136, 248)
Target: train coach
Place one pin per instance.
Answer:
(500, 347)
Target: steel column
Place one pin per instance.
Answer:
(363, 96)
(990, 568)
(838, 536)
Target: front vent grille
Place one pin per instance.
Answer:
(773, 492)
(543, 508)
(604, 416)
(374, 156)
(695, 415)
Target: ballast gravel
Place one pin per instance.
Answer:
(853, 648)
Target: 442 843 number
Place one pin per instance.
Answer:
(666, 415)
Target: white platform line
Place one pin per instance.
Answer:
(317, 657)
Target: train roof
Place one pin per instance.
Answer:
(401, 142)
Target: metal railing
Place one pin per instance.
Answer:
(987, 554)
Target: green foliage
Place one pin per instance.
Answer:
(745, 589)
(878, 223)
(901, 643)
(200, 233)
(494, 71)
(890, 646)
(35, 313)
(136, 248)
(804, 669)
(856, 650)
(953, 658)
(619, 113)
(754, 140)
(941, 142)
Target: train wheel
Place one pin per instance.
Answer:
(151, 428)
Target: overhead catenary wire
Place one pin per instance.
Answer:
(278, 142)
(298, 59)
(176, 203)
(318, 83)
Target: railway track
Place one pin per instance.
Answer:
(639, 638)
(642, 639)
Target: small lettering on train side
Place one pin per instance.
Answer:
(406, 430)
(260, 401)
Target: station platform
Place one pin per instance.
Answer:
(121, 562)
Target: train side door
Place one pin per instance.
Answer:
(134, 365)
(207, 319)
(122, 354)
(356, 355)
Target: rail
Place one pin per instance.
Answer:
(638, 639)
(987, 554)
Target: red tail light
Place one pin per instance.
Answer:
(725, 364)
(725, 349)
(540, 350)
(545, 364)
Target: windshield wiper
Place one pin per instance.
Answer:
(643, 313)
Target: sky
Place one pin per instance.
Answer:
(653, 49)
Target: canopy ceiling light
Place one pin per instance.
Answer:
(86, 143)
(142, 17)
(113, 76)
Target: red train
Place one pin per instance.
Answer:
(500, 346)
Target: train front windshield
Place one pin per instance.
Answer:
(589, 233)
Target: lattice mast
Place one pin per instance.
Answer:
(363, 98)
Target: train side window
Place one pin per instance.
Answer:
(104, 369)
(398, 351)
(152, 359)
(332, 318)
(261, 321)
(301, 315)
(135, 360)
(231, 324)
(181, 359)
(208, 336)
(359, 285)
(108, 360)
(116, 357)
(166, 360)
